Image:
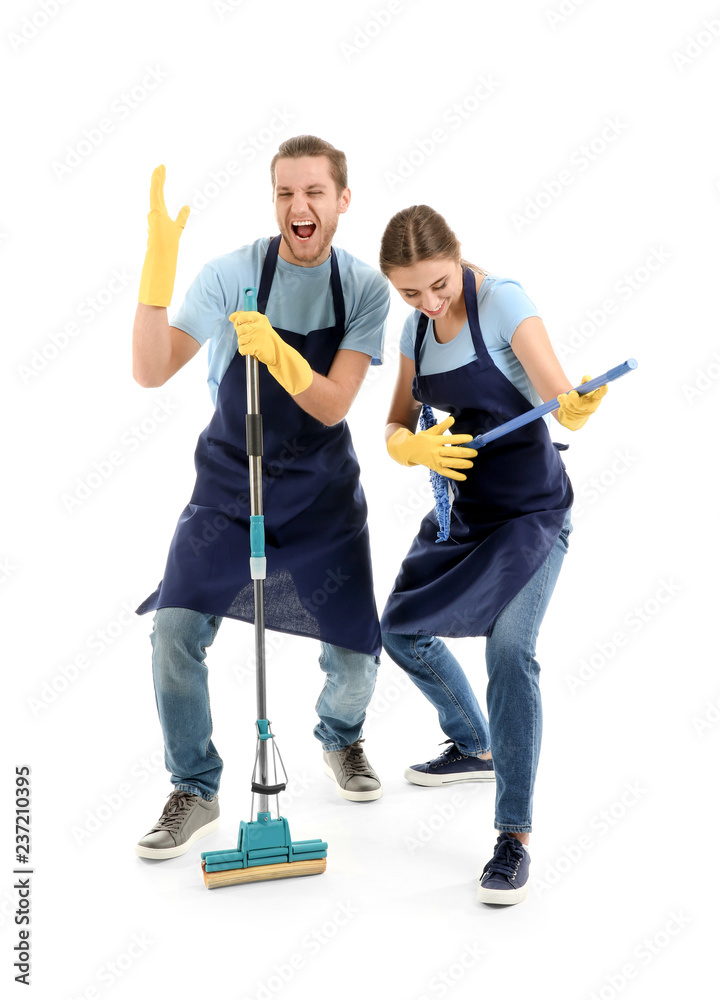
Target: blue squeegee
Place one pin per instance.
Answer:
(265, 849)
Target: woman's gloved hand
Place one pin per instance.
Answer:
(256, 336)
(432, 448)
(575, 409)
(158, 273)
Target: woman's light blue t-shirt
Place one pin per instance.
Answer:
(502, 305)
(300, 300)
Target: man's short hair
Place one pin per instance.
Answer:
(310, 145)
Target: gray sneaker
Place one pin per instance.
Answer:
(350, 769)
(184, 820)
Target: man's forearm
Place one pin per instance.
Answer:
(325, 400)
(151, 346)
(329, 399)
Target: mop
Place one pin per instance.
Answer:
(441, 484)
(265, 849)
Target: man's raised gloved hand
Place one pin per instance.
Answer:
(158, 273)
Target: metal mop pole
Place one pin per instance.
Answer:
(254, 446)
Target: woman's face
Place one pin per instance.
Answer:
(433, 286)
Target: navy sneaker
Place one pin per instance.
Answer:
(451, 768)
(505, 877)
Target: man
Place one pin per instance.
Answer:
(320, 322)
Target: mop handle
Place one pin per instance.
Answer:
(552, 404)
(254, 446)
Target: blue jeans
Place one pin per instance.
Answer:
(180, 639)
(513, 729)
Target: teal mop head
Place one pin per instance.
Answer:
(265, 849)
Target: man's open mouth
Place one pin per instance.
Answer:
(303, 229)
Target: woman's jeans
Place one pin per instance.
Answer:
(180, 639)
(513, 729)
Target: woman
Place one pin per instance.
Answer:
(476, 349)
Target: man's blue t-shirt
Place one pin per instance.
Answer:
(300, 300)
(502, 305)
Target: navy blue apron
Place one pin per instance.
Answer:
(319, 577)
(506, 516)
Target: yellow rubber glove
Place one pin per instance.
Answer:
(257, 337)
(575, 409)
(432, 448)
(158, 273)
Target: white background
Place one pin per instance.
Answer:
(625, 805)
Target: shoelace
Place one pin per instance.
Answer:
(174, 812)
(506, 859)
(355, 760)
(445, 755)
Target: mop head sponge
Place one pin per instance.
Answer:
(265, 851)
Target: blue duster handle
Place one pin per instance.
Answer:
(552, 404)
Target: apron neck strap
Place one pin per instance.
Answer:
(268, 273)
(422, 325)
(471, 307)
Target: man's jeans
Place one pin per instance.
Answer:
(180, 639)
(513, 692)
